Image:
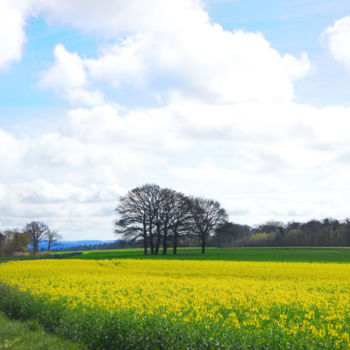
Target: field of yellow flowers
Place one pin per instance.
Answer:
(160, 304)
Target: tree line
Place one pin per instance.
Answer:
(16, 241)
(158, 218)
(327, 232)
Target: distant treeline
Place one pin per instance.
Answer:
(313, 233)
(327, 232)
(153, 217)
(100, 246)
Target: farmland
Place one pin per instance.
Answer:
(175, 304)
(300, 254)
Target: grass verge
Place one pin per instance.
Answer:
(29, 335)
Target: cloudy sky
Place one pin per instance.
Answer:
(245, 101)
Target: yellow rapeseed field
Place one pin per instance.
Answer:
(297, 299)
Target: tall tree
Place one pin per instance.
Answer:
(36, 231)
(167, 211)
(137, 215)
(207, 215)
(180, 222)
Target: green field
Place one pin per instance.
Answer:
(322, 255)
(279, 254)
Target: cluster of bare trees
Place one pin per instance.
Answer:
(16, 241)
(38, 231)
(161, 217)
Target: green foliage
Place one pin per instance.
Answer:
(262, 239)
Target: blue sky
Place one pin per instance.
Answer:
(242, 101)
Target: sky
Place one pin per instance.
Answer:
(246, 102)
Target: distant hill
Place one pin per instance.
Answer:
(71, 244)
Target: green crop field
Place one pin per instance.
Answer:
(322, 255)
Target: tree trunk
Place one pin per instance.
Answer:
(175, 243)
(145, 252)
(203, 243)
(151, 243)
(165, 242)
(158, 240)
(35, 246)
(145, 245)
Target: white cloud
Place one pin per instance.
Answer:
(82, 211)
(12, 36)
(68, 77)
(173, 49)
(114, 18)
(12, 151)
(121, 64)
(41, 191)
(338, 38)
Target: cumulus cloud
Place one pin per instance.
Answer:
(12, 151)
(169, 47)
(68, 77)
(338, 39)
(114, 18)
(12, 36)
(199, 60)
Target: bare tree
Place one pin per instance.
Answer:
(36, 231)
(138, 212)
(206, 214)
(52, 237)
(180, 222)
(166, 213)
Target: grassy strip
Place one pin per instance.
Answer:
(15, 335)
(321, 255)
(99, 329)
